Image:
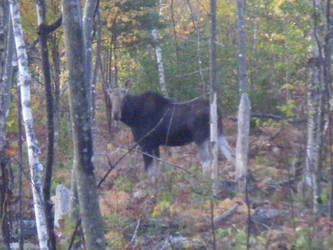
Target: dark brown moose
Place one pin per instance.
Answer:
(156, 120)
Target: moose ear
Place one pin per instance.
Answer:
(128, 84)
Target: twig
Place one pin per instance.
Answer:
(248, 233)
(135, 231)
(212, 223)
(163, 161)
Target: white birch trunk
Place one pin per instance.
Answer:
(311, 175)
(214, 139)
(213, 99)
(159, 60)
(32, 144)
(242, 146)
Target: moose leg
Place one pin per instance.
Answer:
(225, 149)
(205, 156)
(147, 158)
(155, 171)
(152, 166)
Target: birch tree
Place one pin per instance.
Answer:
(81, 128)
(159, 58)
(213, 95)
(314, 103)
(311, 177)
(32, 144)
(244, 105)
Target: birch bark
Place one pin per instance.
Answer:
(244, 105)
(159, 61)
(311, 176)
(159, 57)
(213, 97)
(32, 144)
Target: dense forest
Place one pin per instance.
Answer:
(83, 89)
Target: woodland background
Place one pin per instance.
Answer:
(288, 50)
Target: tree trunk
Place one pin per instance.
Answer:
(173, 21)
(244, 106)
(20, 168)
(87, 32)
(32, 144)
(202, 85)
(213, 97)
(311, 179)
(54, 46)
(88, 23)
(242, 147)
(6, 77)
(43, 35)
(81, 127)
(328, 87)
(6, 74)
(159, 60)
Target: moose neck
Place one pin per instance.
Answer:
(130, 110)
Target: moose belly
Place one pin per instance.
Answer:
(177, 138)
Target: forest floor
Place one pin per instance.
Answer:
(178, 212)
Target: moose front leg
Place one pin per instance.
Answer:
(152, 166)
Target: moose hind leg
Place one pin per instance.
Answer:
(205, 157)
(225, 149)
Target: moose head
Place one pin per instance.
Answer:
(117, 96)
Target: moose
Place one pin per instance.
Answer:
(155, 120)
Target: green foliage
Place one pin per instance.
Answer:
(123, 183)
(130, 22)
(305, 240)
(162, 209)
(117, 222)
(288, 109)
(12, 122)
(232, 238)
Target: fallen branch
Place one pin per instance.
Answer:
(220, 219)
(226, 215)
